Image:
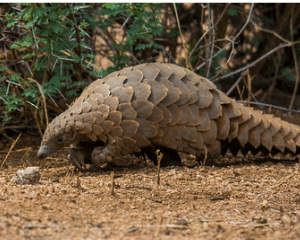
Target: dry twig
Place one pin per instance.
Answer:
(216, 79)
(269, 106)
(182, 39)
(232, 42)
(11, 147)
(287, 44)
(159, 157)
(112, 188)
(296, 67)
(44, 99)
(236, 83)
(212, 40)
(205, 33)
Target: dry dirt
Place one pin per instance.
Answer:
(239, 201)
(245, 201)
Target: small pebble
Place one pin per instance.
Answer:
(182, 222)
(132, 229)
(30, 175)
(265, 204)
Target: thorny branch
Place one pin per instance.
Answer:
(211, 38)
(288, 44)
(78, 50)
(246, 23)
(268, 105)
(296, 67)
(216, 79)
(182, 38)
(274, 33)
(232, 42)
(205, 33)
(236, 83)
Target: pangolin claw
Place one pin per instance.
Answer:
(77, 159)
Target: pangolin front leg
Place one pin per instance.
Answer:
(77, 158)
(80, 154)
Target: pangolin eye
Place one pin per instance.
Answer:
(60, 140)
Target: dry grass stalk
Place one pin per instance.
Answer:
(112, 188)
(11, 147)
(44, 99)
(159, 157)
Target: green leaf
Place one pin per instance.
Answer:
(12, 23)
(9, 17)
(3, 68)
(144, 46)
(29, 25)
(46, 32)
(115, 8)
(32, 93)
(24, 42)
(5, 118)
(53, 15)
(15, 77)
(232, 12)
(28, 55)
(71, 93)
(12, 102)
(39, 12)
(56, 27)
(15, 46)
(41, 64)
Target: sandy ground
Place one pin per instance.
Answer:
(244, 201)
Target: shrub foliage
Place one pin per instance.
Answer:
(50, 52)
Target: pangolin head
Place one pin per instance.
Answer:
(55, 138)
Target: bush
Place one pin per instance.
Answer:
(53, 44)
(50, 52)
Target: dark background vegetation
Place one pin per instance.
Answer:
(50, 52)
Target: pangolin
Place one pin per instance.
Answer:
(163, 106)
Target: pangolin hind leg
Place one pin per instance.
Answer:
(209, 154)
(114, 153)
(103, 155)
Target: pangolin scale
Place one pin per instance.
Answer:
(161, 105)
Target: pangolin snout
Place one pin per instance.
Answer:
(41, 155)
(43, 152)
